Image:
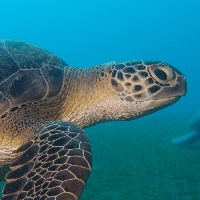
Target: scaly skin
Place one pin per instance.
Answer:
(107, 92)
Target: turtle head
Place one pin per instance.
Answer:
(143, 87)
(122, 91)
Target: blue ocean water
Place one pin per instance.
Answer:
(87, 33)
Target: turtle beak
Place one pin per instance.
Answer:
(182, 85)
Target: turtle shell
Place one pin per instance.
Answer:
(27, 74)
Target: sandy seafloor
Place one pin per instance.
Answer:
(135, 160)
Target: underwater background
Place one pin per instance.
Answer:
(132, 160)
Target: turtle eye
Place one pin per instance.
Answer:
(160, 74)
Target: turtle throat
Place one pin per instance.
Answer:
(85, 91)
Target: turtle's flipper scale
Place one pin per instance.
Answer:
(55, 164)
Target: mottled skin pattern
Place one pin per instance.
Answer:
(43, 104)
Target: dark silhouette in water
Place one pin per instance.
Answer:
(193, 136)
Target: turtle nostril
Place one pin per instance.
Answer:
(160, 74)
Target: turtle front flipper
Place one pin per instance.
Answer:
(55, 164)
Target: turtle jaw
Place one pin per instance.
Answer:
(147, 107)
(158, 104)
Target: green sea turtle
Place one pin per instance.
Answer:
(44, 104)
(193, 136)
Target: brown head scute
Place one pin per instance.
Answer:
(143, 80)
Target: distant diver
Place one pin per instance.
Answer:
(193, 136)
